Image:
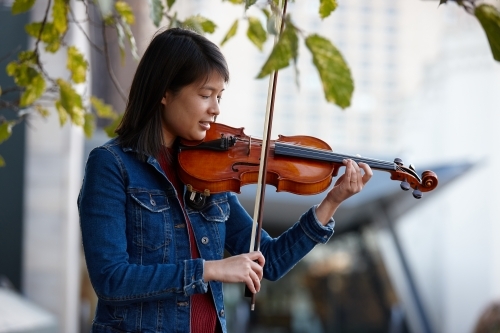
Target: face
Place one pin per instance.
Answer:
(189, 113)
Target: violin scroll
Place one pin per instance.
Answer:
(410, 179)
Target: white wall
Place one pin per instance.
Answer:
(452, 240)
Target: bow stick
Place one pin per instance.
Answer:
(261, 185)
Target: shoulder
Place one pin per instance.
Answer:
(112, 149)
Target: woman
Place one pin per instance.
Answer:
(156, 264)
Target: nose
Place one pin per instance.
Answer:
(214, 109)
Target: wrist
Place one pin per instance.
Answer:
(326, 209)
(208, 271)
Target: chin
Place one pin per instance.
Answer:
(197, 137)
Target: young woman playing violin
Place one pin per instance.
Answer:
(156, 264)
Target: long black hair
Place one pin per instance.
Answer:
(174, 59)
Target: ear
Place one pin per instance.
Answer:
(166, 98)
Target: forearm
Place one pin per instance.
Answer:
(281, 253)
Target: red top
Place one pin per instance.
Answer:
(203, 313)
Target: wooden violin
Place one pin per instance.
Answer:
(228, 159)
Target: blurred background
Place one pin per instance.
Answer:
(427, 90)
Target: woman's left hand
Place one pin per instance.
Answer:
(350, 183)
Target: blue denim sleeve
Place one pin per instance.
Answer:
(281, 253)
(101, 204)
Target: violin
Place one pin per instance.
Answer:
(227, 159)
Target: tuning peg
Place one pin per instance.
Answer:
(405, 186)
(412, 167)
(398, 161)
(417, 194)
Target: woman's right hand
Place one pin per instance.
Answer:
(245, 268)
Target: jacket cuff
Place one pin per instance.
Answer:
(313, 227)
(193, 277)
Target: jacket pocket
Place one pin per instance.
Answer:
(216, 210)
(150, 219)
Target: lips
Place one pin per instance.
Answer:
(205, 125)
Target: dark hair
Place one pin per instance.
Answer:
(489, 321)
(174, 59)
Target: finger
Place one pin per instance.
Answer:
(255, 281)
(257, 256)
(252, 282)
(348, 168)
(352, 173)
(257, 269)
(368, 172)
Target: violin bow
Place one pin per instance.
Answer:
(261, 184)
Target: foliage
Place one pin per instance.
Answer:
(489, 18)
(39, 92)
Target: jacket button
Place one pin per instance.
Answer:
(221, 313)
(204, 240)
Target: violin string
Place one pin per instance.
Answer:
(324, 154)
(331, 156)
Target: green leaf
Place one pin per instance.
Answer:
(77, 65)
(326, 7)
(156, 11)
(200, 24)
(6, 130)
(121, 41)
(125, 11)
(21, 6)
(283, 51)
(61, 111)
(49, 35)
(34, 89)
(249, 3)
(102, 109)
(21, 72)
(28, 57)
(2, 161)
(89, 125)
(266, 12)
(170, 3)
(110, 130)
(70, 102)
(26, 76)
(131, 40)
(44, 112)
(271, 24)
(256, 32)
(236, 2)
(231, 33)
(335, 75)
(489, 17)
(60, 15)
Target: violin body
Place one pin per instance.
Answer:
(220, 171)
(228, 159)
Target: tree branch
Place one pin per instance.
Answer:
(77, 23)
(108, 64)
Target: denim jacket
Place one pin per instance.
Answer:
(136, 243)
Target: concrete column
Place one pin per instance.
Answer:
(51, 265)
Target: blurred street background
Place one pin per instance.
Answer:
(427, 90)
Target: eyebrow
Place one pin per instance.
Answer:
(206, 87)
